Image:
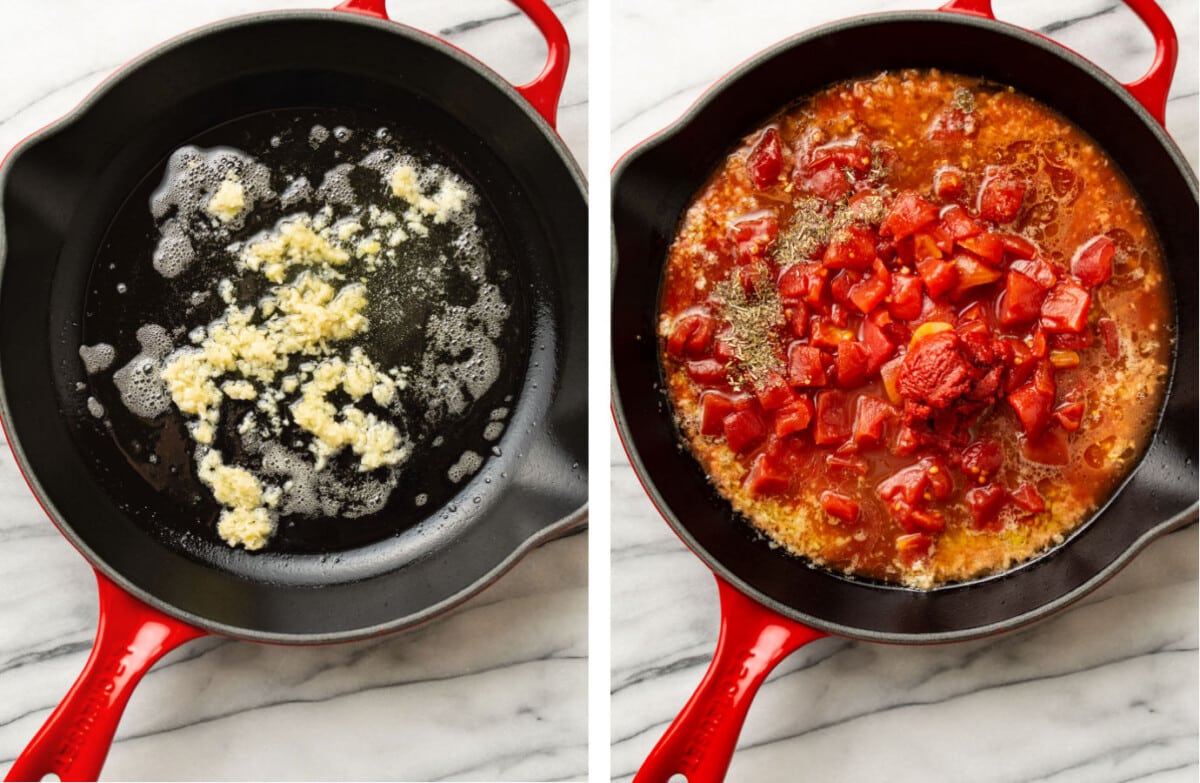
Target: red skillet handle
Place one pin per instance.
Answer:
(700, 743)
(1150, 90)
(546, 88)
(76, 737)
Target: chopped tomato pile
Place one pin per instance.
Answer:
(911, 318)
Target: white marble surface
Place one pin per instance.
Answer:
(1106, 691)
(494, 691)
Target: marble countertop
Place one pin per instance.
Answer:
(1104, 691)
(496, 690)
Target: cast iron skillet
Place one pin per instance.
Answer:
(771, 603)
(60, 190)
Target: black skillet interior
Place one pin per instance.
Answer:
(653, 185)
(61, 192)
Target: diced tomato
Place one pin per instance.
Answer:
(724, 351)
(743, 429)
(794, 417)
(1021, 301)
(805, 367)
(764, 164)
(985, 503)
(924, 521)
(913, 548)
(938, 276)
(982, 459)
(973, 273)
(1018, 246)
(1069, 415)
(754, 237)
(953, 124)
(907, 484)
(855, 155)
(798, 319)
(847, 461)
(890, 374)
(907, 213)
(852, 247)
(827, 182)
(1092, 262)
(1036, 270)
(1065, 308)
(767, 477)
(839, 506)
(714, 407)
(870, 416)
(1027, 497)
(906, 441)
(958, 224)
(843, 281)
(793, 283)
(774, 392)
(1051, 447)
(1111, 335)
(1000, 195)
(941, 483)
(878, 346)
(850, 364)
(987, 246)
(706, 371)
(1037, 343)
(828, 335)
(906, 300)
(933, 241)
(1062, 358)
(1032, 406)
(869, 293)
(692, 335)
(831, 425)
(948, 183)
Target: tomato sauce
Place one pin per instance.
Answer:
(916, 328)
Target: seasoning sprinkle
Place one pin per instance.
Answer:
(754, 318)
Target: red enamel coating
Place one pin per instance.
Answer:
(546, 88)
(700, 742)
(1150, 90)
(76, 737)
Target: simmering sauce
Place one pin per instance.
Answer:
(916, 327)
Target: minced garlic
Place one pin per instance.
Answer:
(229, 199)
(295, 243)
(245, 520)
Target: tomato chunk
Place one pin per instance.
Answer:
(985, 503)
(852, 247)
(1036, 270)
(1065, 308)
(831, 425)
(1112, 336)
(743, 429)
(839, 506)
(850, 364)
(1027, 497)
(869, 293)
(939, 276)
(793, 418)
(692, 335)
(906, 300)
(1001, 195)
(878, 347)
(1069, 415)
(948, 183)
(1051, 447)
(987, 246)
(1032, 406)
(1018, 246)
(765, 162)
(714, 407)
(773, 392)
(767, 477)
(827, 182)
(805, 367)
(972, 273)
(908, 212)
(870, 416)
(754, 237)
(982, 459)
(1092, 262)
(707, 371)
(959, 224)
(1021, 301)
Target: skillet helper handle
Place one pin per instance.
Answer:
(546, 88)
(700, 742)
(1150, 90)
(75, 739)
